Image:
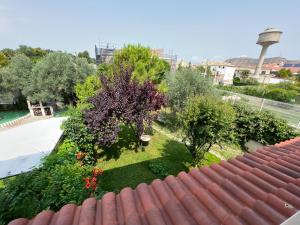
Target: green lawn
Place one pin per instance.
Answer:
(7, 116)
(126, 166)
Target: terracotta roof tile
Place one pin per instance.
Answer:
(262, 187)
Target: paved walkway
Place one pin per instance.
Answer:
(23, 147)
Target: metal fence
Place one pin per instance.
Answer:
(289, 112)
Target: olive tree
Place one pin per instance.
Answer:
(205, 121)
(54, 77)
(14, 77)
(183, 83)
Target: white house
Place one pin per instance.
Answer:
(223, 72)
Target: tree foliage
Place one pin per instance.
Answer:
(3, 60)
(14, 77)
(140, 60)
(284, 73)
(34, 54)
(206, 121)
(186, 82)
(263, 126)
(55, 76)
(85, 54)
(59, 181)
(88, 88)
(122, 101)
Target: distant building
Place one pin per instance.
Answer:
(170, 58)
(222, 72)
(104, 54)
(294, 68)
(183, 64)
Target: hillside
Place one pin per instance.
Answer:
(251, 62)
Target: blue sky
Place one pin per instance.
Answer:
(194, 30)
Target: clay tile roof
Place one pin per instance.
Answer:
(262, 187)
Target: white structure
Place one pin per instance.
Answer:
(40, 109)
(23, 147)
(223, 72)
(268, 37)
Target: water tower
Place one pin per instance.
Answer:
(268, 37)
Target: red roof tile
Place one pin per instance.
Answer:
(262, 187)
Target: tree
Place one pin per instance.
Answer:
(284, 73)
(204, 70)
(183, 83)
(55, 76)
(34, 54)
(88, 88)
(245, 74)
(206, 121)
(105, 69)
(122, 101)
(15, 77)
(3, 60)
(142, 62)
(85, 54)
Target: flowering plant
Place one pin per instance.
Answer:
(91, 182)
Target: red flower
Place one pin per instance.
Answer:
(97, 172)
(87, 182)
(80, 155)
(94, 179)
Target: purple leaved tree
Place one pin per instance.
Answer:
(122, 101)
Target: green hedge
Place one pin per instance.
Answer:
(263, 126)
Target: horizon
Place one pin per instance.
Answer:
(194, 36)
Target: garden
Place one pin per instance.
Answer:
(111, 111)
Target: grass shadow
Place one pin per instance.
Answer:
(131, 175)
(126, 141)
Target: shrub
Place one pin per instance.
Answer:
(206, 121)
(65, 185)
(88, 88)
(243, 82)
(122, 101)
(263, 126)
(183, 83)
(58, 182)
(280, 94)
(159, 168)
(76, 131)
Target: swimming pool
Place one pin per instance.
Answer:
(7, 116)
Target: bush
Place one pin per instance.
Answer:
(65, 185)
(206, 121)
(88, 88)
(122, 101)
(183, 83)
(76, 131)
(262, 127)
(243, 82)
(282, 95)
(58, 182)
(159, 168)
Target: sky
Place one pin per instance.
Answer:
(195, 30)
